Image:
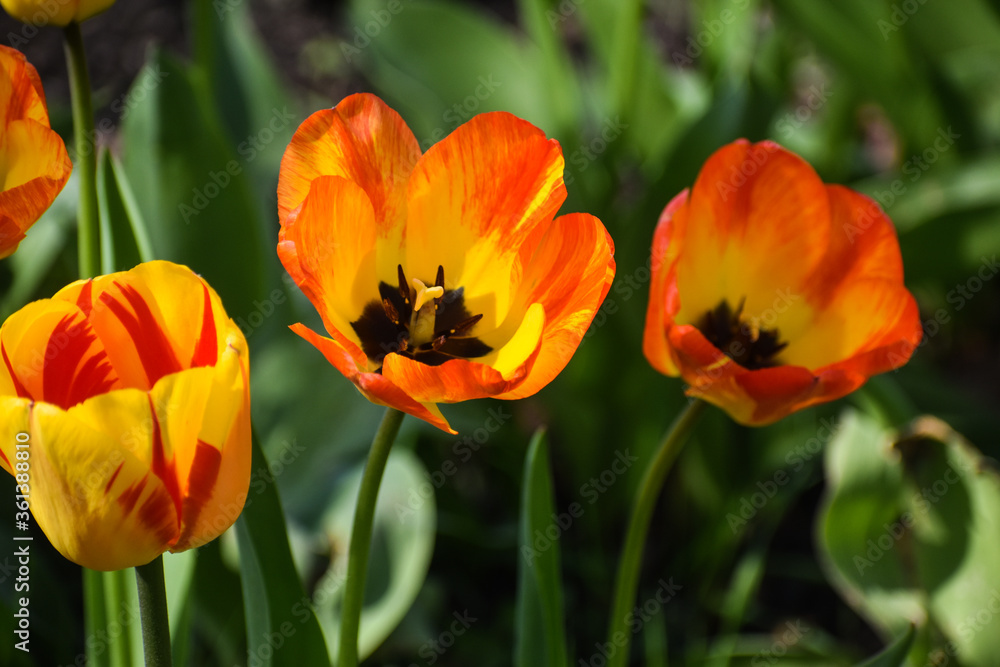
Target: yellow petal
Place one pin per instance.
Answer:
(98, 502)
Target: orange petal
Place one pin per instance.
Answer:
(328, 246)
(451, 382)
(757, 225)
(474, 199)
(569, 267)
(21, 93)
(663, 300)
(374, 386)
(33, 170)
(362, 140)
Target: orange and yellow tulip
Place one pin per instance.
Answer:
(34, 165)
(442, 276)
(772, 291)
(125, 415)
(54, 12)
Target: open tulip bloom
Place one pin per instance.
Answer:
(772, 291)
(440, 277)
(131, 392)
(34, 165)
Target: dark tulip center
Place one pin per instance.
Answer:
(427, 324)
(741, 338)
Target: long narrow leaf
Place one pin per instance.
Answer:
(281, 626)
(541, 638)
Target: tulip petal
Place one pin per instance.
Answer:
(21, 93)
(376, 387)
(92, 493)
(362, 140)
(328, 247)
(34, 167)
(52, 354)
(204, 423)
(743, 236)
(569, 267)
(146, 320)
(663, 298)
(474, 199)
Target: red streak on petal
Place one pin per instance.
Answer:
(129, 496)
(18, 387)
(201, 484)
(107, 489)
(206, 351)
(6, 460)
(157, 516)
(85, 301)
(74, 373)
(165, 470)
(155, 352)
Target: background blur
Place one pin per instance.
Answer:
(761, 529)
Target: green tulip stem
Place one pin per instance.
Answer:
(88, 235)
(361, 537)
(627, 580)
(153, 610)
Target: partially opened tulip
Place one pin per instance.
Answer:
(125, 412)
(55, 12)
(34, 165)
(440, 277)
(772, 291)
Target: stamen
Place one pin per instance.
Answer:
(425, 293)
(409, 321)
(404, 287)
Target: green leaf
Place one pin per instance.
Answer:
(895, 654)
(402, 546)
(124, 241)
(195, 194)
(541, 638)
(909, 533)
(278, 611)
(488, 67)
